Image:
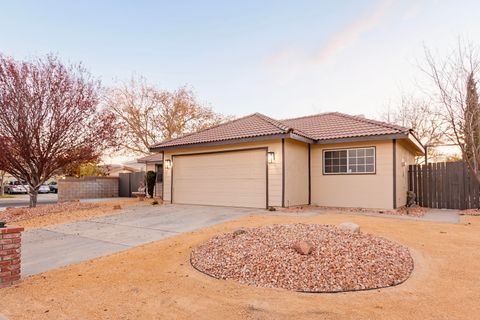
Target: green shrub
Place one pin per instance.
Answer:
(150, 177)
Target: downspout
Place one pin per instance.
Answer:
(394, 173)
(283, 173)
(309, 176)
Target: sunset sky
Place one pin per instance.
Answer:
(281, 58)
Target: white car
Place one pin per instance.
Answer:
(43, 188)
(15, 187)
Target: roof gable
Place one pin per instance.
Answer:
(320, 127)
(254, 125)
(336, 125)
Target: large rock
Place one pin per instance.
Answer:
(303, 247)
(238, 232)
(350, 226)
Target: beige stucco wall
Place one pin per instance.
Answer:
(405, 157)
(274, 169)
(149, 167)
(362, 190)
(296, 173)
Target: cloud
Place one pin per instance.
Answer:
(292, 60)
(352, 32)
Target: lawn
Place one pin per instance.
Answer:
(156, 281)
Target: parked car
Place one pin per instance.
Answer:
(44, 189)
(15, 187)
(53, 187)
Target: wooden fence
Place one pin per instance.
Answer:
(448, 185)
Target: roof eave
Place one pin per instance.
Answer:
(149, 161)
(416, 142)
(364, 138)
(235, 141)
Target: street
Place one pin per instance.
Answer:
(22, 200)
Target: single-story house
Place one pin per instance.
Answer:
(329, 159)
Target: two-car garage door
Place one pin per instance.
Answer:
(233, 178)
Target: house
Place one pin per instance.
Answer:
(114, 170)
(329, 159)
(154, 162)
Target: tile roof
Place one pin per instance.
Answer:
(333, 125)
(336, 125)
(156, 157)
(254, 125)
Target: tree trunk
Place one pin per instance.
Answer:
(1, 185)
(33, 197)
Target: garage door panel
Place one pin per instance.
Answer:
(228, 179)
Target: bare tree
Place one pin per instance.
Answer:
(147, 115)
(422, 116)
(49, 119)
(455, 80)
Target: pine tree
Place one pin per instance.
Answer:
(471, 127)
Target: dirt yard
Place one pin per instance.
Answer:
(45, 215)
(156, 281)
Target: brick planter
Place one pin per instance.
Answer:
(10, 251)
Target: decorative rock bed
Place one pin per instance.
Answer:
(341, 260)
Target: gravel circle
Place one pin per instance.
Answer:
(341, 260)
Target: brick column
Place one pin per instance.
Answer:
(10, 250)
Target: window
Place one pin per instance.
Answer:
(159, 171)
(349, 161)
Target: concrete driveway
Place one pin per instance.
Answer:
(56, 246)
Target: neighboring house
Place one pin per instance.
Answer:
(154, 162)
(330, 159)
(8, 177)
(114, 170)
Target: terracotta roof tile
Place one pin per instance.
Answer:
(254, 125)
(156, 157)
(333, 125)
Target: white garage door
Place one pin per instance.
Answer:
(236, 178)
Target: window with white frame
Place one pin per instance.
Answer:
(349, 161)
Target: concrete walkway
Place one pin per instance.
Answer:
(432, 215)
(60, 245)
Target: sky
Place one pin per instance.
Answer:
(280, 58)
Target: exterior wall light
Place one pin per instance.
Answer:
(271, 157)
(168, 164)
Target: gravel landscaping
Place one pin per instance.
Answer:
(46, 215)
(341, 260)
(19, 214)
(402, 211)
(470, 212)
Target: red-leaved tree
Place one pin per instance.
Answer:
(49, 119)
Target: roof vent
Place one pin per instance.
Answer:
(360, 115)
